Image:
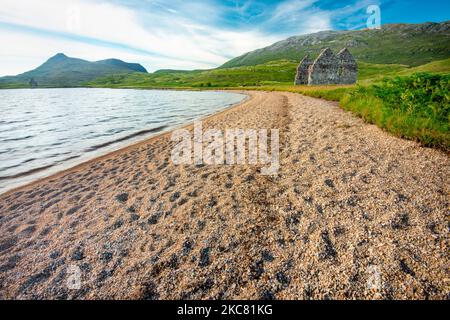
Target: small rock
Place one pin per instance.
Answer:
(256, 270)
(328, 251)
(192, 194)
(207, 285)
(55, 254)
(173, 262)
(338, 231)
(174, 196)
(406, 269)
(308, 200)
(293, 219)
(283, 279)
(134, 217)
(149, 291)
(267, 295)
(118, 223)
(106, 256)
(319, 208)
(267, 256)
(187, 247)
(123, 197)
(85, 267)
(352, 201)
(212, 202)
(249, 178)
(204, 257)
(103, 275)
(78, 254)
(201, 225)
(329, 183)
(400, 222)
(73, 210)
(401, 198)
(154, 218)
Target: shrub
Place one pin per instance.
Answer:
(414, 107)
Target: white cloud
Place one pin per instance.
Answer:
(164, 35)
(26, 52)
(301, 17)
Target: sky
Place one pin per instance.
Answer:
(179, 34)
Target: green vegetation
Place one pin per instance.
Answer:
(403, 84)
(274, 73)
(62, 71)
(395, 49)
(415, 107)
(439, 67)
(407, 44)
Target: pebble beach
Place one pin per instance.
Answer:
(353, 213)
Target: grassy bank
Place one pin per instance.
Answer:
(415, 107)
(279, 73)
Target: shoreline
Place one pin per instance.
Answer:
(350, 202)
(126, 147)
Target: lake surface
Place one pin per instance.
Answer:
(47, 130)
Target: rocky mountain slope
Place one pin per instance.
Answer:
(407, 44)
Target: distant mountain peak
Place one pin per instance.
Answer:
(119, 63)
(63, 71)
(58, 57)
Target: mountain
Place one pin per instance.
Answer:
(406, 44)
(63, 71)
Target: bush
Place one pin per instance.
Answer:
(420, 95)
(414, 107)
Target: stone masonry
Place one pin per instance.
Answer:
(328, 68)
(348, 68)
(303, 71)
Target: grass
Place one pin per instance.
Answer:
(415, 107)
(275, 72)
(279, 73)
(411, 45)
(330, 93)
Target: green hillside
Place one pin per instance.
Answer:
(62, 71)
(281, 72)
(407, 44)
(398, 49)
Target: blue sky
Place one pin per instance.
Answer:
(179, 34)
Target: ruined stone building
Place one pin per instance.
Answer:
(325, 69)
(348, 68)
(303, 71)
(328, 68)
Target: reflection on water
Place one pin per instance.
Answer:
(45, 130)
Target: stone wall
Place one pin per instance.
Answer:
(325, 69)
(303, 71)
(348, 68)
